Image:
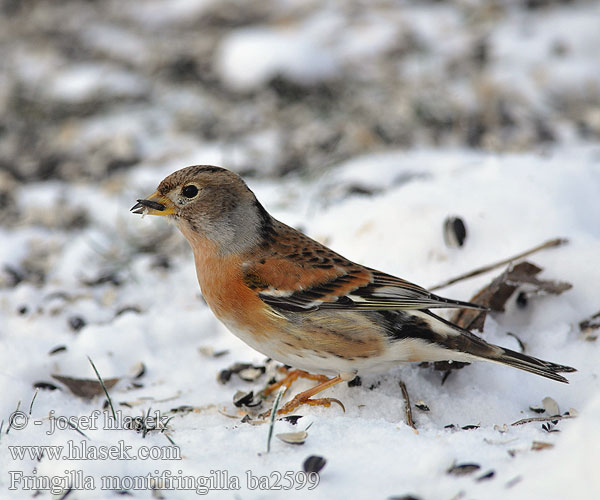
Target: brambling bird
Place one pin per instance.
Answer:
(300, 303)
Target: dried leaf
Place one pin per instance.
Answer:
(85, 388)
(497, 293)
(540, 445)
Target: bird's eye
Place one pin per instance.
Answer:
(189, 191)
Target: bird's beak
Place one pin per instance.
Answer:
(155, 204)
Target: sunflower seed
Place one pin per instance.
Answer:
(293, 437)
(314, 463)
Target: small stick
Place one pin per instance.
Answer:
(33, 401)
(407, 408)
(541, 419)
(104, 388)
(273, 414)
(548, 244)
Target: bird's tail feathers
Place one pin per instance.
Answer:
(474, 347)
(532, 365)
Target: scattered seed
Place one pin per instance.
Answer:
(421, 405)
(182, 409)
(521, 343)
(590, 328)
(126, 309)
(455, 232)
(470, 427)
(314, 463)
(463, 469)
(292, 419)
(108, 277)
(537, 409)
(48, 386)
(550, 406)
(76, 323)
(140, 370)
(293, 437)
(550, 427)
(514, 481)
(56, 350)
(488, 475)
(522, 300)
(22, 310)
(210, 352)
(224, 376)
(355, 382)
(242, 398)
(541, 445)
(251, 374)
(446, 375)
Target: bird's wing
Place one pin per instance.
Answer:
(306, 276)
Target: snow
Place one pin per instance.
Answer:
(381, 207)
(509, 203)
(250, 57)
(87, 80)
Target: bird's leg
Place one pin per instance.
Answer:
(304, 398)
(289, 379)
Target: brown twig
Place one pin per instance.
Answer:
(548, 244)
(407, 408)
(541, 419)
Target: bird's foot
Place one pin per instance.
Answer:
(290, 378)
(305, 398)
(297, 401)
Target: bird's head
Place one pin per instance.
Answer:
(209, 202)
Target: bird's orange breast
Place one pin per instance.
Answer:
(223, 288)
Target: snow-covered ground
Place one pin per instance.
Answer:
(365, 124)
(509, 203)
